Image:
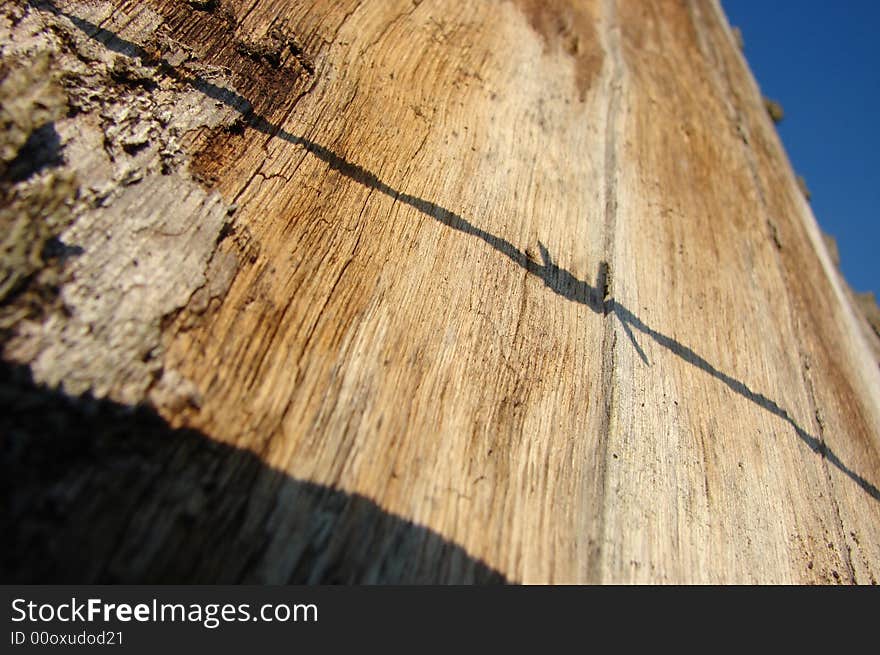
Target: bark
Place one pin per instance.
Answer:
(417, 291)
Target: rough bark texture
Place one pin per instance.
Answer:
(417, 291)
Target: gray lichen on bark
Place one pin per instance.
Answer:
(134, 234)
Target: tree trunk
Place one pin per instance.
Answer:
(417, 291)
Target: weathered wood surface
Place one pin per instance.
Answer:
(440, 291)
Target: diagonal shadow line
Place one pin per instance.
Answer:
(557, 279)
(817, 445)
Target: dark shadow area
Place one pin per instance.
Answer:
(42, 150)
(97, 492)
(56, 249)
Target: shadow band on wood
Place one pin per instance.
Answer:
(97, 492)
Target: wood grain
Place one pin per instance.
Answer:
(534, 277)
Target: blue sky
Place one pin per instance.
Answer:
(820, 60)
